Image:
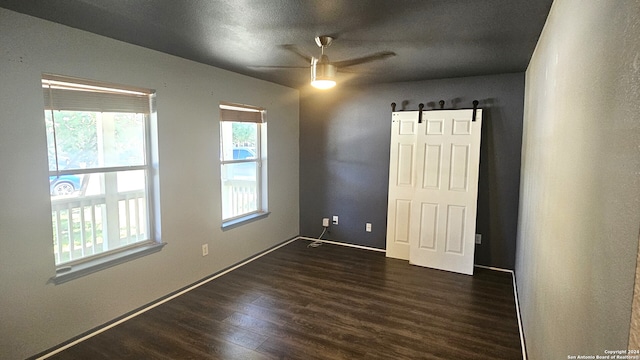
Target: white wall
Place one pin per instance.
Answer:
(580, 188)
(34, 315)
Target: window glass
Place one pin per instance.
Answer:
(239, 189)
(98, 171)
(90, 221)
(86, 140)
(241, 164)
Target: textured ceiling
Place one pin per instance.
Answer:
(431, 39)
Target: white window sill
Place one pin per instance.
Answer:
(230, 224)
(74, 271)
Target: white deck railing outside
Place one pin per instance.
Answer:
(80, 226)
(239, 197)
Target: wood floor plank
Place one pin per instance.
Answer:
(329, 302)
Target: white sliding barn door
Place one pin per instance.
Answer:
(445, 198)
(438, 209)
(402, 179)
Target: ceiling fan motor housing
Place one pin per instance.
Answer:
(322, 69)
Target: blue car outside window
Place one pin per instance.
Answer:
(64, 184)
(241, 154)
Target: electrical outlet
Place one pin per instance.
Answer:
(368, 227)
(325, 222)
(335, 219)
(205, 249)
(478, 239)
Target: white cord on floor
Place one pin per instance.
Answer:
(315, 244)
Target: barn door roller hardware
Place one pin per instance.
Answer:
(475, 108)
(441, 103)
(420, 107)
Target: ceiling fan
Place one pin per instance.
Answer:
(323, 71)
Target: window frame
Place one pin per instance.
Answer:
(241, 113)
(84, 265)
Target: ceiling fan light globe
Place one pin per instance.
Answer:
(323, 84)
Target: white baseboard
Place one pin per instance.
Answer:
(342, 244)
(513, 278)
(217, 275)
(515, 294)
(164, 300)
(494, 268)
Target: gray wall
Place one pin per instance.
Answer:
(35, 315)
(344, 157)
(580, 192)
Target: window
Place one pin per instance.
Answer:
(242, 162)
(99, 168)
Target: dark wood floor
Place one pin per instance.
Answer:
(330, 302)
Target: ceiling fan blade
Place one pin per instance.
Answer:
(294, 49)
(361, 60)
(356, 71)
(278, 67)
